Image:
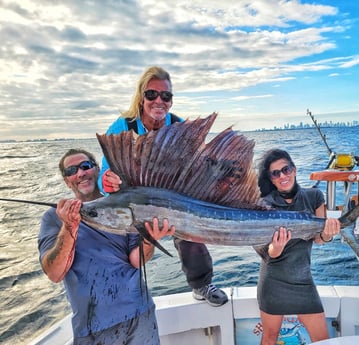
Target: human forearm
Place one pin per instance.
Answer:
(274, 252)
(58, 260)
(331, 228)
(280, 239)
(324, 238)
(104, 167)
(148, 251)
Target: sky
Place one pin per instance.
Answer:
(68, 68)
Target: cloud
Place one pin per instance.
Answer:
(69, 67)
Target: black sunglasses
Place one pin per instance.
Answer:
(73, 169)
(286, 170)
(151, 95)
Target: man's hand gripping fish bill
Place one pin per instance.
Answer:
(117, 220)
(124, 217)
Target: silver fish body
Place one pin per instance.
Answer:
(195, 220)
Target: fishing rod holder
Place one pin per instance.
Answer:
(331, 177)
(342, 161)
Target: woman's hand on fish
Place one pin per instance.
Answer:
(111, 182)
(156, 232)
(280, 238)
(68, 211)
(331, 228)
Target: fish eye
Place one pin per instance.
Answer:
(93, 213)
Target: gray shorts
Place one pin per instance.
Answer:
(141, 330)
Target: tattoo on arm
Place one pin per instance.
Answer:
(59, 252)
(56, 250)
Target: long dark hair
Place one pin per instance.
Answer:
(264, 182)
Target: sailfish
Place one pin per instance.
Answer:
(207, 189)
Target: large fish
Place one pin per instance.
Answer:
(207, 190)
(199, 221)
(204, 222)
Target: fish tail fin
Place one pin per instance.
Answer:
(348, 223)
(351, 238)
(145, 235)
(349, 217)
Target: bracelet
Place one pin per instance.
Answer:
(321, 237)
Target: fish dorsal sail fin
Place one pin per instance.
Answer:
(177, 158)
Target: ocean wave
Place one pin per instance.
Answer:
(30, 302)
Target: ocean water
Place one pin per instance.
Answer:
(30, 303)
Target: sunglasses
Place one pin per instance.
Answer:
(286, 170)
(73, 169)
(151, 95)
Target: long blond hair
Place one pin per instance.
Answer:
(153, 72)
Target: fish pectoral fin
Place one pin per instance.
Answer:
(145, 234)
(262, 250)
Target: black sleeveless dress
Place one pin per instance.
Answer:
(285, 283)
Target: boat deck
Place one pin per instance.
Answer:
(183, 320)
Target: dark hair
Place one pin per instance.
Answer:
(72, 152)
(264, 181)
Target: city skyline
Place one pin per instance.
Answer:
(329, 124)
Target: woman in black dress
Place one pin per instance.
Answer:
(285, 285)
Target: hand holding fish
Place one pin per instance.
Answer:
(158, 233)
(280, 238)
(148, 249)
(111, 182)
(331, 228)
(58, 260)
(68, 211)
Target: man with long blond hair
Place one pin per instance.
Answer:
(149, 111)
